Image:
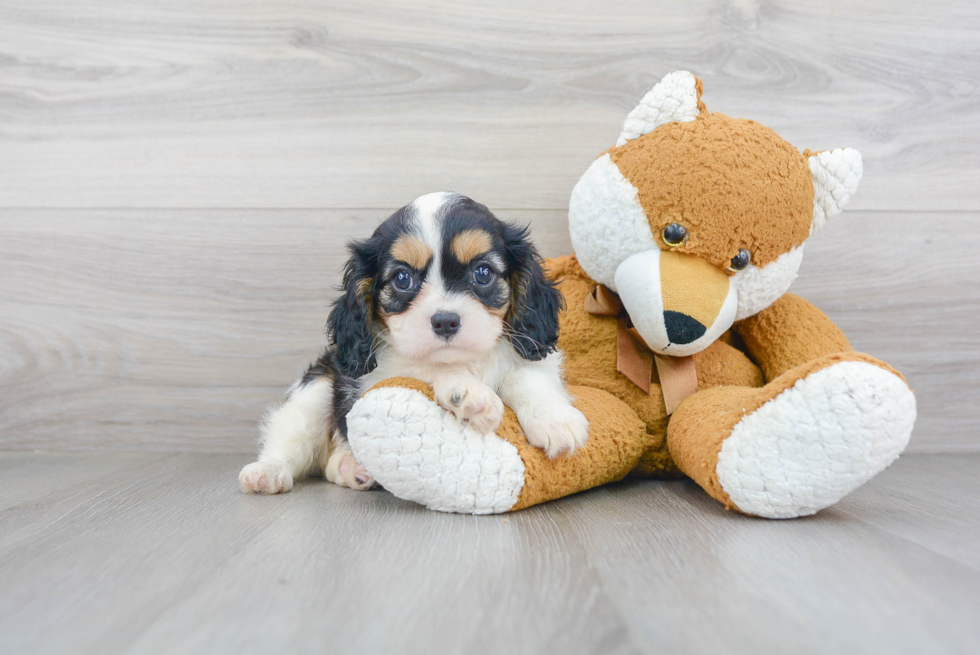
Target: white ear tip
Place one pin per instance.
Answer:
(836, 175)
(673, 99)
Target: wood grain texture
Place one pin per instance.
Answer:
(174, 330)
(915, 504)
(296, 104)
(144, 553)
(202, 164)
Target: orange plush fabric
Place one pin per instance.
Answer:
(789, 333)
(732, 182)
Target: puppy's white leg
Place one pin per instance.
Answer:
(534, 390)
(294, 437)
(470, 400)
(342, 468)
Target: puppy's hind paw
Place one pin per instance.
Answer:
(556, 430)
(265, 478)
(344, 470)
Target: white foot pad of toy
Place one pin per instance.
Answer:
(817, 441)
(418, 451)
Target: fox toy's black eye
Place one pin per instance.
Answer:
(482, 275)
(741, 260)
(403, 281)
(674, 234)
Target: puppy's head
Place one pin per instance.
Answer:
(441, 281)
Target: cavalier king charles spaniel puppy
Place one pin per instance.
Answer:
(446, 293)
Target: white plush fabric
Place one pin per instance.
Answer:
(606, 221)
(418, 451)
(836, 175)
(673, 99)
(817, 441)
(760, 287)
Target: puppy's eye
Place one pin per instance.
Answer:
(403, 281)
(674, 235)
(741, 260)
(482, 275)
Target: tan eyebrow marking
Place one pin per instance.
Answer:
(411, 250)
(468, 244)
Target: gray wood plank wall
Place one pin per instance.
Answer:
(177, 179)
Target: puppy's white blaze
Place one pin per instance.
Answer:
(427, 211)
(638, 281)
(760, 287)
(606, 222)
(427, 207)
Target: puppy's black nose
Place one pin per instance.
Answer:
(445, 324)
(681, 328)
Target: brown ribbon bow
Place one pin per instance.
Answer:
(635, 359)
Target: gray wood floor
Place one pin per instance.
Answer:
(160, 553)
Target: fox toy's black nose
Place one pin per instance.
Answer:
(445, 324)
(681, 328)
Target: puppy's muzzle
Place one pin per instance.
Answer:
(445, 324)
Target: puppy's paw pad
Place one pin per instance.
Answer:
(557, 431)
(351, 474)
(265, 478)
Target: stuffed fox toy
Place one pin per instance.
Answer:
(682, 346)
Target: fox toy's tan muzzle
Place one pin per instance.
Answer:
(678, 303)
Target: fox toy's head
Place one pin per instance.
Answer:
(698, 220)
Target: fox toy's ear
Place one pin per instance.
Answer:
(676, 98)
(836, 174)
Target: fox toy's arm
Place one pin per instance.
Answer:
(789, 333)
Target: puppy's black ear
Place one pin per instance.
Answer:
(350, 326)
(535, 302)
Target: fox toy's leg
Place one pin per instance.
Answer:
(418, 451)
(800, 443)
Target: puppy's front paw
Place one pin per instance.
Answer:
(265, 478)
(556, 430)
(475, 404)
(483, 410)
